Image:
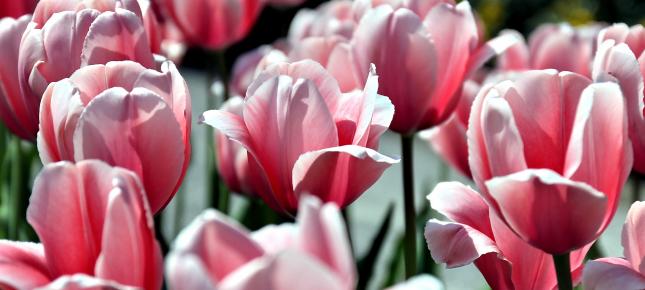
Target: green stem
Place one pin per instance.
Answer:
(16, 188)
(410, 243)
(563, 271)
(163, 243)
(223, 72)
(348, 226)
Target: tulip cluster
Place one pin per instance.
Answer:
(549, 134)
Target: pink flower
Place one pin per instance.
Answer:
(92, 219)
(13, 108)
(307, 137)
(250, 64)
(214, 252)
(423, 65)
(329, 19)
(621, 58)
(70, 40)
(16, 9)
(125, 115)
(475, 234)
(550, 149)
(552, 46)
(215, 24)
(622, 273)
(419, 282)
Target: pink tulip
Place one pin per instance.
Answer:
(92, 219)
(66, 42)
(215, 24)
(331, 18)
(475, 234)
(84, 282)
(249, 65)
(125, 115)
(16, 9)
(622, 273)
(553, 46)
(214, 252)
(423, 65)
(449, 138)
(621, 58)
(419, 282)
(307, 137)
(13, 109)
(550, 149)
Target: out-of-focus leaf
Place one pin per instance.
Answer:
(368, 262)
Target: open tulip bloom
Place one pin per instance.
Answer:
(304, 136)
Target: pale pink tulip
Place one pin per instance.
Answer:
(66, 43)
(475, 234)
(14, 111)
(92, 219)
(552, 46)
(249, 65)
(84, 282)
(423, 65)
(16, 8)
(548, 149)
(215, 24)
(419, 282)
(307, 137)
(449, 138)
(332, 18)
(621, 58)
(214, 252)
(626, 273)
(125, 115)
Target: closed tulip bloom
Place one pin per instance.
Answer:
(621, 58)
(91, 219)
(550, 149)
(250, 64)
(332, 18)
(14, 111)
(422, 64)
(125, 115)
(70, 40)
(475, 234)
(215, 24)
(626, 273)
(16, 9)
(214, 252)
(307, 137)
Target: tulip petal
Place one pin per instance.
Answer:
(186, 271)
(461, 204)
(420, 282)
(83, 282)
(221, 244)
(449, 141)
(132, 130)
(516, 57)
(130, 253)
(323, 235)
(337, 63)
(611, 273)
(277, 238)
(533, 201)
(22, 265)
(632, 236)
(457, 244)
(286, 271)
(348, 170)
(491, 48)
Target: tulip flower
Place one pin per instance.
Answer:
(249, 65)
(214, 252)
(420, 282)
(91, 219)
(214, 24)
(552, 46)
(622, 273)
(125, 115)
(16, 9)
(550, 149)
(307, 137)
(66, 43)
(475, 234)
(621, 58)
(13, 111)
(331, 18)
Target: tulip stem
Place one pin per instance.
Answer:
(222, 71)
(410, 244)
(16, 190)
(563, 271)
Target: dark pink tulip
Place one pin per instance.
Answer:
(214, 24)
(423, 65)
(307, 137)
(622, 273)
(449, 138)
(14, 111)
(92, 219)
(551, 148)
(475, 234)
(621, 58)
(214, 252)
(66, 43)
(125, 115)
(15, 9)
